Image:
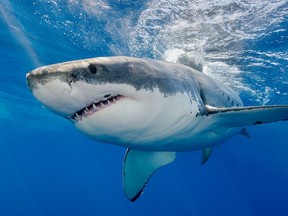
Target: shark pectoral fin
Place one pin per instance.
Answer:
(253, 115)
(245, 133)
(206, 155)
(139, 166)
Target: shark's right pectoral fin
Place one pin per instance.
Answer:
(139, 166)
(253, 115)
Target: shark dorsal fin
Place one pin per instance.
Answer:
(139, 166)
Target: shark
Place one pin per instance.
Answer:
(151, 107)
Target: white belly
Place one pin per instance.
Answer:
(171, 123)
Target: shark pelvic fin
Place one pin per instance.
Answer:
(245, 133)
(206, 153)
(139, 166)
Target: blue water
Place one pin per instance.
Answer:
(48, 168)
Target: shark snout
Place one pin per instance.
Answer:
(34, 77)
(30, 78)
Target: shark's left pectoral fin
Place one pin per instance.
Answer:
(139, 166)
(253, 115)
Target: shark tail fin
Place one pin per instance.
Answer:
(251, 115)
(139, 166)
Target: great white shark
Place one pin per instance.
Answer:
(153, 108)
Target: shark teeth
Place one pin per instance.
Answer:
(94, 107)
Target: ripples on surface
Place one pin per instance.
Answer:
(224, 36)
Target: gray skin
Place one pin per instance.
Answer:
(141, 74)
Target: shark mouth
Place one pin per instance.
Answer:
(95, 107)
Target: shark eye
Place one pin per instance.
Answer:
(45, 71)
(92, 69)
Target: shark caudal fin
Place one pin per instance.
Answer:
(251, 115)
(139, 166)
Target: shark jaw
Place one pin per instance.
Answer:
(95, 106)
(79, 101)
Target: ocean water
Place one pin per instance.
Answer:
(48, 168)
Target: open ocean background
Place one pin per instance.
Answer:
(48, 168)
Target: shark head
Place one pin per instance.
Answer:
(113, 99)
